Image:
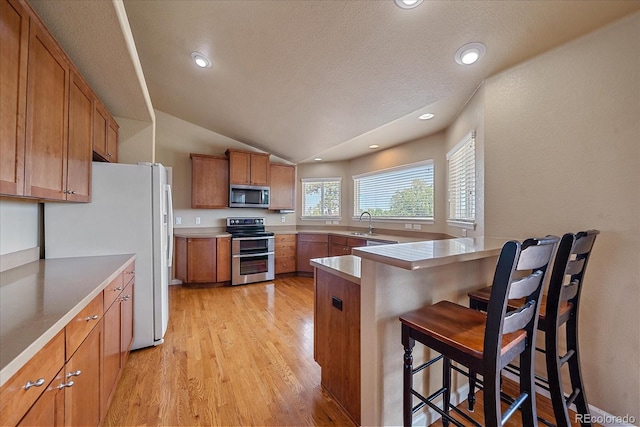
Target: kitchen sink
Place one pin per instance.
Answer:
(356, 233)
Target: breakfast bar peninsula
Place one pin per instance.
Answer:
(358, 300)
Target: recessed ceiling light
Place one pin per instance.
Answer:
(317, 159)
(470, 53)
(374, 146)
(408, 4)
(427, 116)
(201, 60)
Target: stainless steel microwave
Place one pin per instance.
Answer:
(248, 196)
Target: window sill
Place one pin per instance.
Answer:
(467, 225)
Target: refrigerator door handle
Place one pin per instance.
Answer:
(169, 225)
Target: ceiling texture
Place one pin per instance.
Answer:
(311, 78)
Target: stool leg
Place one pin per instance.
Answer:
(528, 385)
(554, 376)
(471, 397)
(575, 372)
(407, 398)
(446, 384)
(491, 397)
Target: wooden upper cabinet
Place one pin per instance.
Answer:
(248, 168)
(14, 30)
(112, 141)
(79, 151)
(209, 182)
(100, 125)
(47, 117)
(283, 186)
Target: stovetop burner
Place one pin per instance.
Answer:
(247, 227)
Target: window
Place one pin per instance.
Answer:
(321, 197)
(402, 192)
(462, 180)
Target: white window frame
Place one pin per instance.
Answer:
(464, 152)
(321, 217)
(424, 220)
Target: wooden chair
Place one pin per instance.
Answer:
(560, 306)
(484, 343)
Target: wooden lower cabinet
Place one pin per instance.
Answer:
(49, 408)
(285, 253)
(337, 339)
(84, 368)
(203, 259)
(311, 245)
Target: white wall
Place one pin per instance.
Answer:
(175, 140)
(19, 225)
(427, 148)
(136, 141)
(562, 153)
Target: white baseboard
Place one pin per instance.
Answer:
(430, 416)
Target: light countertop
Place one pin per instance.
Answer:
(346, 266)
(38, 299)
(431, 253)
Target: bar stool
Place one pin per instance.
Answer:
(484, 343)
(560, 306)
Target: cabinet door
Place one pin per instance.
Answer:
(14, 28)
(82, 399)
(223, 255)
(307, 251)
(112, 141)
(209, 182)
(49, 408)
(100, 124)
(239, 167)
(259, 169)
(127, 322)
(111, 354)
(201, 260)
(181, 258)
(283, 186)
(47, 117)
(80, 141)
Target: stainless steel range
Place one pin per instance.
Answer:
(252, 251)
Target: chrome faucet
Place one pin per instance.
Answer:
(370, 225)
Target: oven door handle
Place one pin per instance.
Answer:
(254, 238)
(252, 255)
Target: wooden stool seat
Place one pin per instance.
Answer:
(481, 297)
(461, 328)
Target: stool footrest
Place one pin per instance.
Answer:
(426, 365)
(514, 407)
(564, 359)
(573, 396)
(427, 401)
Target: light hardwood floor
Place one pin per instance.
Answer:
(237, 356)
(232, 356)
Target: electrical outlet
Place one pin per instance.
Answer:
(328, 222)
(417, 227)
(178, 220)
(407, 226)
(464, 232)
(336, 222)
(197, 220)
(282, 218)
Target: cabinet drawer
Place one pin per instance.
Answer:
(286, 238)
(285, 265)
(15, 399)
(353, 242)
(78, 329)
(129, 273)
(112, 291)
(338, 240)
(313, 237)
(286, 252)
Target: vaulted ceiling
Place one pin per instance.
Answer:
(311, 78)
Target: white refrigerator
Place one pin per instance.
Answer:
(130, 212)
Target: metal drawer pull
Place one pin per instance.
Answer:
(119, 288)
(94, 317)
(63, 385)
(74, 374)
(127, 297)
(37, 383)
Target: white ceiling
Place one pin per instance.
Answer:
(308, 78)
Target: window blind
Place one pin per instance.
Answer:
(321, 197)
(461, 162)
(402, 192)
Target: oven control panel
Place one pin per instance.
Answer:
(245, 221)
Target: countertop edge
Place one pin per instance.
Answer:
(21, 359)
(317, 263)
